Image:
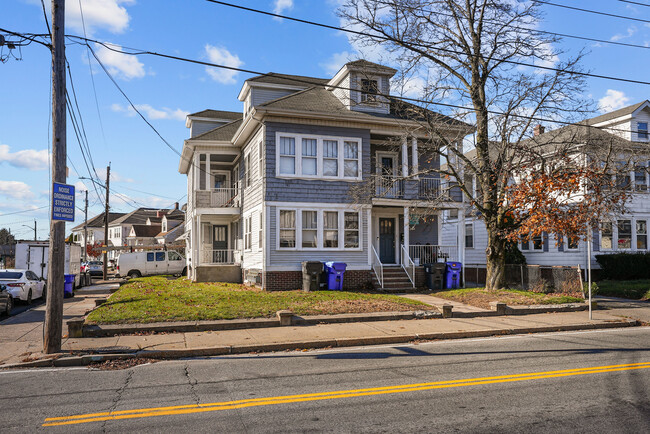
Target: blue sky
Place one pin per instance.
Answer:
(144, 170)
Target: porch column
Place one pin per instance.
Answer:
(461, 239)
(405, 157)
(407, 230)
(414, 155)
(199, 238)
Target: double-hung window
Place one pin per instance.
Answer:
(260, 160)
(330, 229)
(369, 90)
(624, 234)
(538, 243)
(350, 159)
(606, 235)
(572, 242)
(351, 227)
(309, 229)
(249, 169)
(287, 155)
(287, 229)
(642, 130)
(469, 236)
(641, 235)
(309, 156)
(640, 174)
(248, 232)
(330, 158)
(260, 234)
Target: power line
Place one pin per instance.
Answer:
(635, 3)
(428, 46)
(24, 211)
(607, 14)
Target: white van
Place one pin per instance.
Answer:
(150, 263)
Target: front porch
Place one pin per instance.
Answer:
(216, 248)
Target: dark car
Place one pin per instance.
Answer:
(6, 301)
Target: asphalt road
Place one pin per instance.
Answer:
(596, 381)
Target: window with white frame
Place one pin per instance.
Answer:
(453, 214)
(319, 229)
(260, 160)
(248, 169)
(642, 130)
(309, 156)
(525, 244)
(318, 157)
(624, 234)
(287, 152)
(606, 234)
(248, 232)
(369, 90)
(351, 227)
(287, 229)
(538, 243)
(236, 181)
(641, 235)
(572, 242)
(469, 236)
(640, 178)
(260, 234)
(309, 229)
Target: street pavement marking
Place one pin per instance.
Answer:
(256, 402)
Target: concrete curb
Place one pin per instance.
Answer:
(86, 359)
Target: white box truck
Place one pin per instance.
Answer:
(33, 255)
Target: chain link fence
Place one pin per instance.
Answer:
(537, 278)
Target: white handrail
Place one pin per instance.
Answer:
(408, 265)
(376, 263)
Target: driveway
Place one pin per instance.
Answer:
(635, 309)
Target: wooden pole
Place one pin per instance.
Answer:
(86, 229)
(108, 180)
(55, 278)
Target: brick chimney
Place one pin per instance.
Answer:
(539, 129)
(159, 213)
(175, 205)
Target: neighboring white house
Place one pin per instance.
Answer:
(621, 233)
(94, 229)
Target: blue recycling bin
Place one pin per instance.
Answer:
(452, 275)
(335, 272)
(68, 285)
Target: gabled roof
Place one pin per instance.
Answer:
(145, 230)
(217, 114)
(140, 216)
(364, 64)
(220, 134)
(98, 220)
(286, 79)
(616, 113)
(179, 228)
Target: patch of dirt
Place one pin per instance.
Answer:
(118, 364)
(483, 298)
(334, 307)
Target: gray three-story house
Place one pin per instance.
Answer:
(285, 182)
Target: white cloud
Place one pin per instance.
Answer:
(15, 190)
(613, 100)
(630, 32)
(121, 65)
(151, 112)
(336, 62)
(281, 6)
(413, 87)
(222, 56)
(108, 15)
(26, 159)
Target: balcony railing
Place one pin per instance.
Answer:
(427, 254)
(428, 188)
(389, 187)
(217, 198)
(220, 256)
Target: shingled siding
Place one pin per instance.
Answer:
(310, 190)
(294, 258)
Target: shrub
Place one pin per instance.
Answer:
(585, 289)
(624, 266)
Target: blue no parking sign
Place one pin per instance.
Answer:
(62, 202)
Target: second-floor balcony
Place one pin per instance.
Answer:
(217, 198)
(390, 187)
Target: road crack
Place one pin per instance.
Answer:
(192, 382)
(118, 397)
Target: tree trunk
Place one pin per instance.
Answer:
(496, 260)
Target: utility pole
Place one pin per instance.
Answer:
(54, 309)
(108, 180)
(86, 229)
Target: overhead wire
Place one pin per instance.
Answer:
(590, 11)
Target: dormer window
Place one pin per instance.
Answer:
(642, 130)
(369, 90)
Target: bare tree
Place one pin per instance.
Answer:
(486, 57)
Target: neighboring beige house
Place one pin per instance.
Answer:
(94, 229)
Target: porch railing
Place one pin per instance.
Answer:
(408, 265)
(426, 254)
(224, 197)
(389, 187)
(428, 188)
(377, 266)
(219, 256)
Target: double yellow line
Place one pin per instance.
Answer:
(230, 405)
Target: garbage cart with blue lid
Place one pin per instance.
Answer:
(68, 286)
(452, 275)
(335, 271)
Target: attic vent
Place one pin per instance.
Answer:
(369, 90)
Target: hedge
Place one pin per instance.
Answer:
(624, 266)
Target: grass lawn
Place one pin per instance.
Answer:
(634, 289)
(156, 299)
(481, 297)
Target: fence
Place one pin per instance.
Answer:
(537, 278)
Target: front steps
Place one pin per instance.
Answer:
(395, 280)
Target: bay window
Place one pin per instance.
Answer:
(305, 229)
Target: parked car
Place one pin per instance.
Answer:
(23, 284)
(139, 264)
(6, 301)
(95, 268)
